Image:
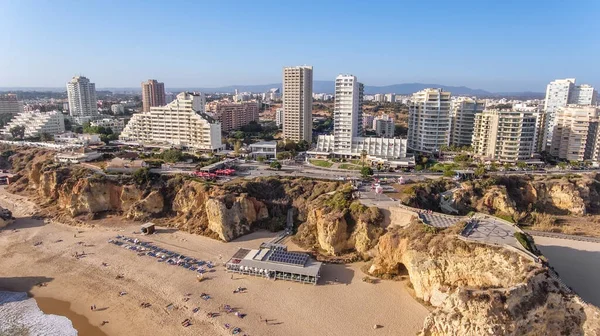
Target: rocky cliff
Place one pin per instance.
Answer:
(570, 194)
(477, 289)
(224, 212)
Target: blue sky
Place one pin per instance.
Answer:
(487, 44)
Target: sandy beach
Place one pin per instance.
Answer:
(349, 307)
(577, 263)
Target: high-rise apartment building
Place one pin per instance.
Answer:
(182, 122)
(384, 126)
(462, 118)
(560, 93)
(429, 120)
(297, 103)
(235, 115)
(390, 97)
(9, 104)
(575, 134)
(347, 112)
(503, 135)
(279, 117)
(153, 94)
(82, 99)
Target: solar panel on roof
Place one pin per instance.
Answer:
(291, 258)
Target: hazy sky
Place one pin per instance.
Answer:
(488, 44)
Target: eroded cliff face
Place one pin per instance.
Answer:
(574, 195)
(481, 290)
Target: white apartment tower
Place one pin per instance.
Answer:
(506, 136)
(429, 120)
(82, 99)
(462, 118)
(297, 103)
(182, 122)
(560, 93)
(347, 113)
(384, 126)
(576, 133)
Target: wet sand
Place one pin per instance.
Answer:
(63, 308)
(577, 263)
(349, 307)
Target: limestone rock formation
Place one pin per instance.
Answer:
(482, 290)
(234, 218)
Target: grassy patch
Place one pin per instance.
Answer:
(349, 166)
(522, 238)
(321, 163)
(506, 218)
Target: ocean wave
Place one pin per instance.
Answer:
(20, 315)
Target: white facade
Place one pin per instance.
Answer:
(506, 136)
(266, 149)
(379, 98)
(368, 121)
(180, 123)
(384, 126)
(36, 123)
(347, 113)
(279, 117)
(429, 120)
(462, 119)
(560, 93)
(77, 139)
(9, 104)
(297, 103)
(384, 148)
(390, 98)
(575, 134)
(82, 98)
(116, 125)
(117, 108)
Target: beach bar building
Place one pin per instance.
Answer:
(273, 261)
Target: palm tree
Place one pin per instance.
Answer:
(363, 157)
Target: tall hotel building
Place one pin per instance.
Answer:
(347, 113)
(82, 99)
(560, 93)
(235, 115)
(575, 136)
(507, 136)
(297, 103)
(462, 119)
(429, 120)
(153, 94)
(182, 122)
(9, 104)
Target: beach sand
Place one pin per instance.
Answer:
(349, 307)
(577, 263)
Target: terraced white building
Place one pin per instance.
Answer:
(36, 123)
(182, 123)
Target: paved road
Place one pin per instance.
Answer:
(563, 236)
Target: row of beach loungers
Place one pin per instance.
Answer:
(162, 255)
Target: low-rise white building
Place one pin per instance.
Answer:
(384, 148)
(116, 125)
(279, 117)
(77, 139)
(78, 156)
(37, 123)
(384, 126)
(117, 108)
(266, 149)
(182, 122)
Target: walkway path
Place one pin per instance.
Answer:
(563, 236)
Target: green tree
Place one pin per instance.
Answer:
(521, 164)
(506, 166)
(275, 165)
(141, 176)
(239, 135)
(18, 132)
(46, 137)
(562, 165)
(449, 173)
(480, 171)
(172, 155)
(366, 171)
(363, 157)
(260, 159)
(236, 147)
(302, 146)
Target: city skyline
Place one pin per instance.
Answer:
(479, 45)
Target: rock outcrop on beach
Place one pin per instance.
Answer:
(336, 225)
(6, 217)
(477, 289)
